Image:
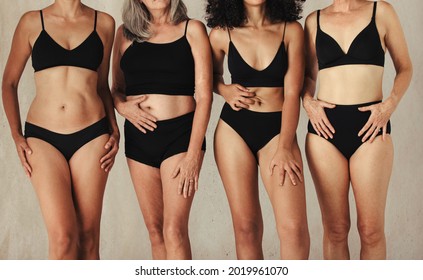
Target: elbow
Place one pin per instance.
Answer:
(204, 99)
(410, 70)
(8, 86)
(406, 70)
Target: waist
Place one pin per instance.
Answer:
(353, 84)
(352, 107)
(174, 90)
(266, 99)
(163, 106)
(65, 114)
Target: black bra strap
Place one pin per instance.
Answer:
(284, 28)
(95, 20)
(186, 27)
(42, 18)
(229, 34)
(318, 19)
(374, 10)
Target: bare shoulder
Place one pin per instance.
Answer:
(311, 20)
(294, 33)
(219, 37)
(30, 21)
(119, 31)
(105, 20)
(385, 9)
(120, 36)
(294, 27)
(196, 28)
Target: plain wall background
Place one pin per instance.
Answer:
(123, 234)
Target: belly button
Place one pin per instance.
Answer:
(63, 107)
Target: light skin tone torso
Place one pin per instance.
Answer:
(165, 194)
(67, 99)
(368, 170)
(355, 84)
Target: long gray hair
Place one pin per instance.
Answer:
(137, 19)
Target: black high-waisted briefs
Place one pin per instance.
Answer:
(171, 137)
(348, 121)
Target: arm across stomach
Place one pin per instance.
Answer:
(266, 99)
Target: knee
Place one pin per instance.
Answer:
(249, 232)
(155, 232)
(371, 233)
(338, 232)
(89, 240)
(294, 232)
(63, 243)
(175, 235)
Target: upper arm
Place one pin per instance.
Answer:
(294, 39)
(117, 74)
(20, 50)
(311, 65)
(200, 48)
(218, 40)
(106, 28)
(394, 36)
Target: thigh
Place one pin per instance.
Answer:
(370, 169)
(238, 169)
(148, 188)
(288, 201)
(330, 173)
(176, 207)
(89, 181)
(52, 183)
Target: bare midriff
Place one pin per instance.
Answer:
(66, 99)
(164, 106)
(267, 99)
(350, 84)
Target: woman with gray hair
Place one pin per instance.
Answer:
(160, 59)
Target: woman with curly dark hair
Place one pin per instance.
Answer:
(265, 50)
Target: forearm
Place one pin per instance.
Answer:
(118, 98)
(308, 89)
(11, 108)
(109, 108)
(218, 84)
(401, 84)
(290, 117)
(199, 126)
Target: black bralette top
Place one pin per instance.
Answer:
(366, 48)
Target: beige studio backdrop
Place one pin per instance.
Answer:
(123, 234)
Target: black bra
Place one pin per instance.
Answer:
(271, 76)
(47, 53)
(366, 48)
(159, 68)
